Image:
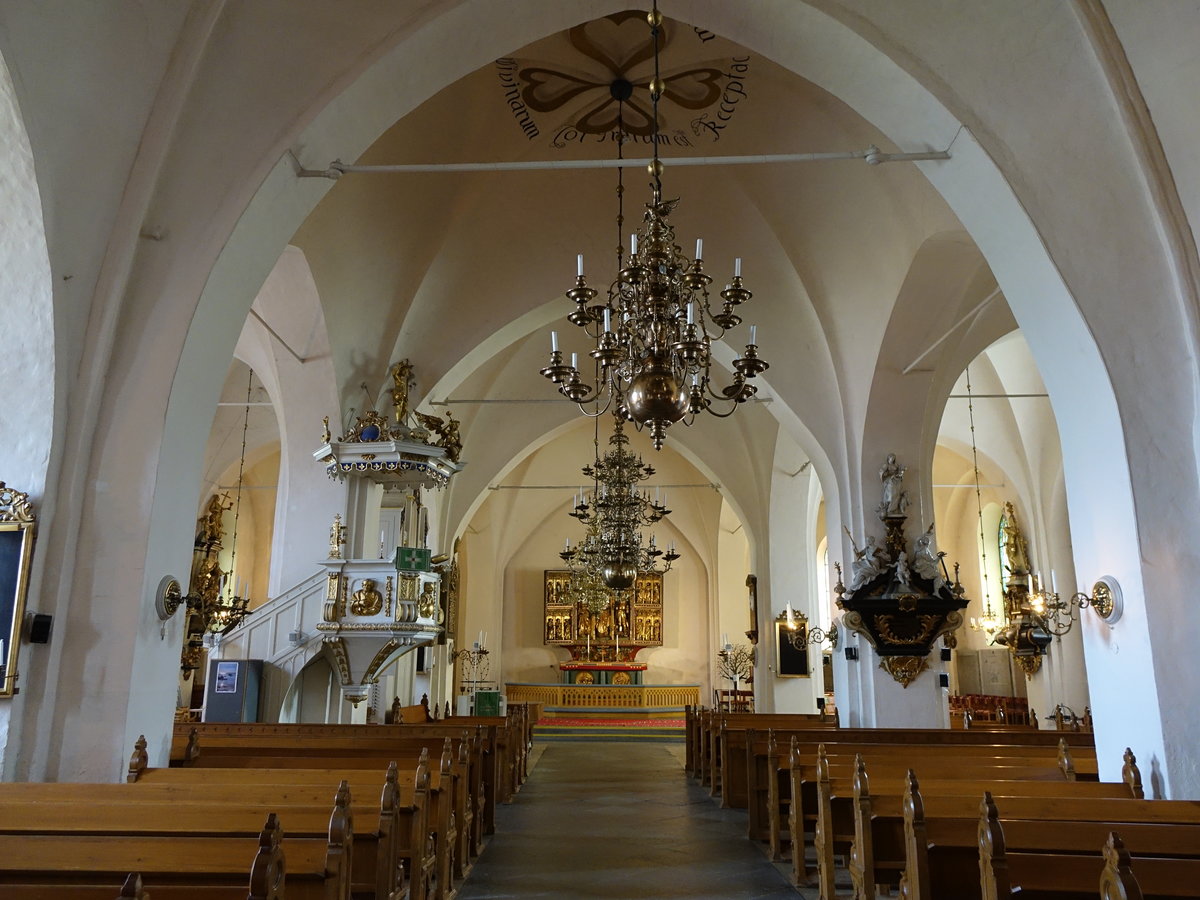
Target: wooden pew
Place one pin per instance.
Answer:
(879, 850)
(835, 809)
(768, 770)
(298, 768)
(801, 787)
(1046, 848)
(399, 841)
(775, 781)
(474, 810)
(726, 754)
(452, 784)
(83, 867)
(498, 764)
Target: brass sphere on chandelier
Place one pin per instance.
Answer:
(654, 394)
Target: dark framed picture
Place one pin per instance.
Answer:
(16, 553)
(791, 649)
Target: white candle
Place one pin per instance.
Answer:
(737, 268)
(691, 313)
(579, 265)
(574, 360)
(753, 334)
(554, 342)
(567, 544)
(725, 639)
(1053, 582)
(480, 644)
(699, 247)
(607, 316)
(633, 245)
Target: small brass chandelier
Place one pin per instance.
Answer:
(214, 605)
(654, 333)
(616, 512)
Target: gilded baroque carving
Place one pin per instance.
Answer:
(384, 652)
(367, 599)
(886, 624)
(337, 649)
(904, 669)
(408, 587)
(14, 505)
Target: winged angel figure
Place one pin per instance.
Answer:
(447, 430)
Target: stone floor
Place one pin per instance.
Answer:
(619, 820)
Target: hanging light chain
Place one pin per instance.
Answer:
(987, 594)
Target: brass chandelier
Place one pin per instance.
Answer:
(654, 332)
(616, 512)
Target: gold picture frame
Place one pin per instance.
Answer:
(791, 649)
(17, 527)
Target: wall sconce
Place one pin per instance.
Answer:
(1059, 616)
(799, 633)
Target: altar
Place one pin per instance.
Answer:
(588, 672)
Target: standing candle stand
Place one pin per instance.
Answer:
(737, 664)
(474, 666)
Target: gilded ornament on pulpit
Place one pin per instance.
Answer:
(402, 374)
(427, 604)
(337, 537)
(367, 599)
(447, 432)
(387, 598)
(904, 669)
(408, 587)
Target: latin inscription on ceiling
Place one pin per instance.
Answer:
(571, 101)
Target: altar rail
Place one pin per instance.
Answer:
(612, 696)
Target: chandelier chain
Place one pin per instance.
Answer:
(237, 503)
(987, 594)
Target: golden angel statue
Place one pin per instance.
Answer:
(446, 430)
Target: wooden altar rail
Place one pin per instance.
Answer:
(606, 696)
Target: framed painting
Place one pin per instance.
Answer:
(17, 527)
(791, 649)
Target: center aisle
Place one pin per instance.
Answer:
(619, 820)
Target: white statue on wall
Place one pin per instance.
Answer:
(869, 562)
(927, 562)
(895, 500)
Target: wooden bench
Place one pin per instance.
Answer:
(879, 851)
(471, 760)
(498, 737)
(51, 866)
(768, 770)
(134, 813)
(833, 819)
(453, 784)
(1055, 854)
(440, 824)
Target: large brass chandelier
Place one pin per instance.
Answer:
(616, 512)
(654, 332)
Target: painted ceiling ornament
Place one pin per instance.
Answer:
(603, 84)
(901, 602)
